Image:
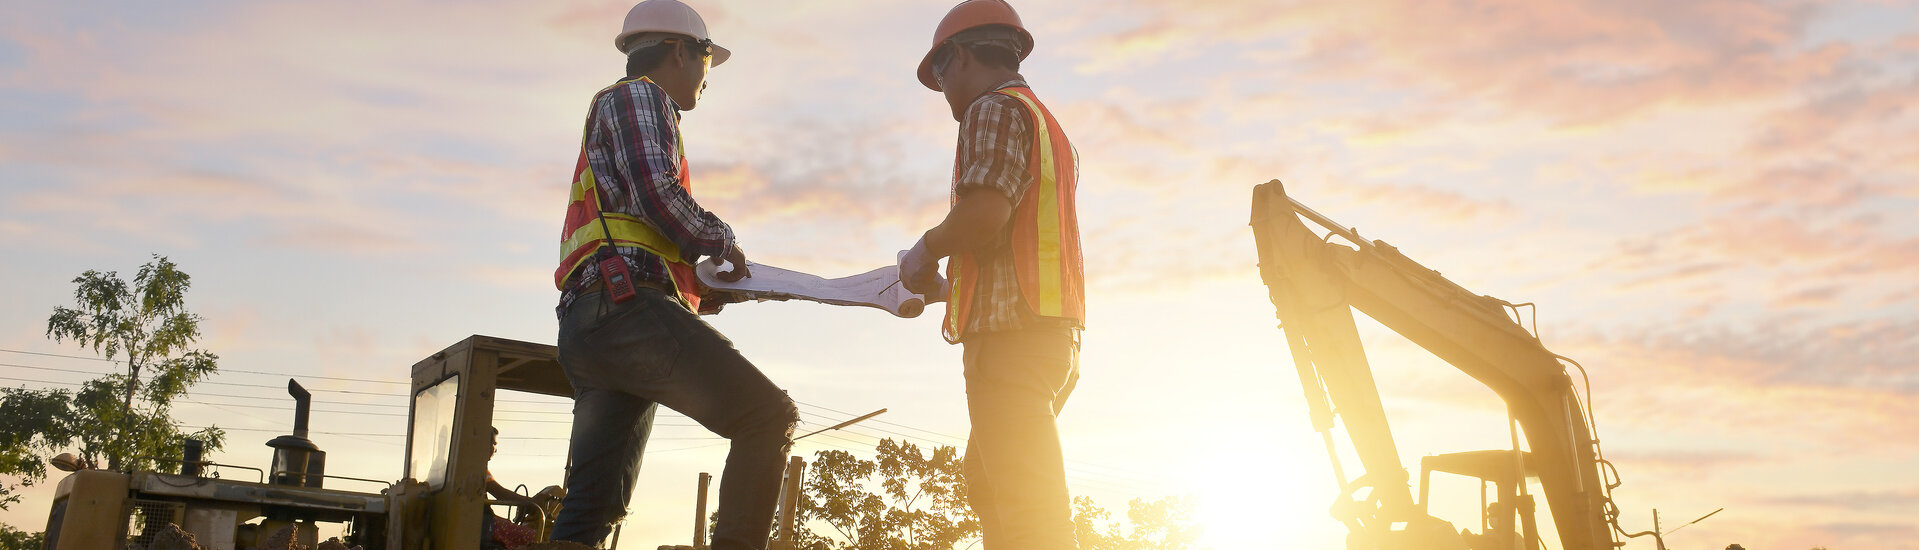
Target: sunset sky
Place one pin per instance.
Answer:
(1713, 203)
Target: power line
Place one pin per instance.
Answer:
(40, 381)
(284, 398)
(59, 355)
(1118, 474)
(50, 368)
(368, 413)
(272, 398)
(117, 361)
(1077, 469)
(515, 438)
(210, 382)
(289, 410)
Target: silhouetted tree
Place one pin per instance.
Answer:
(921, 505)
(147, 327)
(1160, 524)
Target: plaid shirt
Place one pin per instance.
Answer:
(633, 147)
(995, 144)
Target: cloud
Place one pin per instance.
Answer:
(1688, 464)
(1854, 110)
(1574, 62)
(1774, 385)
(1867, 533)
(364, 239)
(1887, 501)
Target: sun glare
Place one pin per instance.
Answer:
(1266, 498)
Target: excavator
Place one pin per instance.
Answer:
(1316, 282)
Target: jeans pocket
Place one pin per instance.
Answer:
(633, 343)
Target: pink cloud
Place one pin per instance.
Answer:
(1577, 62)
(362, 239)
(1841, 385)
(1688, 464)
(1892, 500)
(1853, 111)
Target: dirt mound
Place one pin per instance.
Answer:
(173, 538)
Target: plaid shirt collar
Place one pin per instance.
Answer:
(673, 105)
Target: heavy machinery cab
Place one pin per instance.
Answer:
(450, 435)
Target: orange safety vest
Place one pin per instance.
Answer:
(581, 235)
(1045, 235)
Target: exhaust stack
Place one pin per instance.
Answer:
(302, 407)
(296, 460)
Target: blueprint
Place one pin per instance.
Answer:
(879, 288)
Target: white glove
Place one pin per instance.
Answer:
(921, 276)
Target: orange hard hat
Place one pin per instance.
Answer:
(967, 15)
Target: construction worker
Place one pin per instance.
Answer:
(629, 336)
(1017, 300)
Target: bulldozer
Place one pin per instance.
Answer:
(438, 501)
(1316, 282)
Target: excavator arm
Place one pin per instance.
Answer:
(1315, 285)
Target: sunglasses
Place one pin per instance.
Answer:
(942, 58)
(705, 45)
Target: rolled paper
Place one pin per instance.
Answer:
(878, 289)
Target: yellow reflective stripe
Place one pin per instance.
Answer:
(1048, 239)
(951, 329)
(627, 231)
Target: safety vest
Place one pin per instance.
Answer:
(581, 235)
(1045, 232)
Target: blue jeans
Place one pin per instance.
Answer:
(1016, 384)
(626, 359)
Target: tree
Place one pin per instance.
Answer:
(15, 539)
(147, 327)
(921, 505)
(32, 425)
(1162, 524)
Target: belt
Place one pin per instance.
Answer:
(600, 285)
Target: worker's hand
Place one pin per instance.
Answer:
(919, 273)
(738, 258)
(945, 290)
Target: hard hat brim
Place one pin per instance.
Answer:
(926, 69)
(967, 15)
(622, 43)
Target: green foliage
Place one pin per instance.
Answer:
(15, 539)
(921, 505)
(1161, 524)
(144, 325)
(33, 424)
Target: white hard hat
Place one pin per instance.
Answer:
(666, 16)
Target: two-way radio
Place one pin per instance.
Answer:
(613, 272)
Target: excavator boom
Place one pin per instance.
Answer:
(1316, 284)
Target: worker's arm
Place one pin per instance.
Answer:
(637, 127)
(995, 142)
(971, 225)
(503, 494)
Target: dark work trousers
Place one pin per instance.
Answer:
(1016, 383)
(625, 359)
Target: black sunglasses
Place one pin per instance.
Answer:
(705, 45)
(942, 58)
